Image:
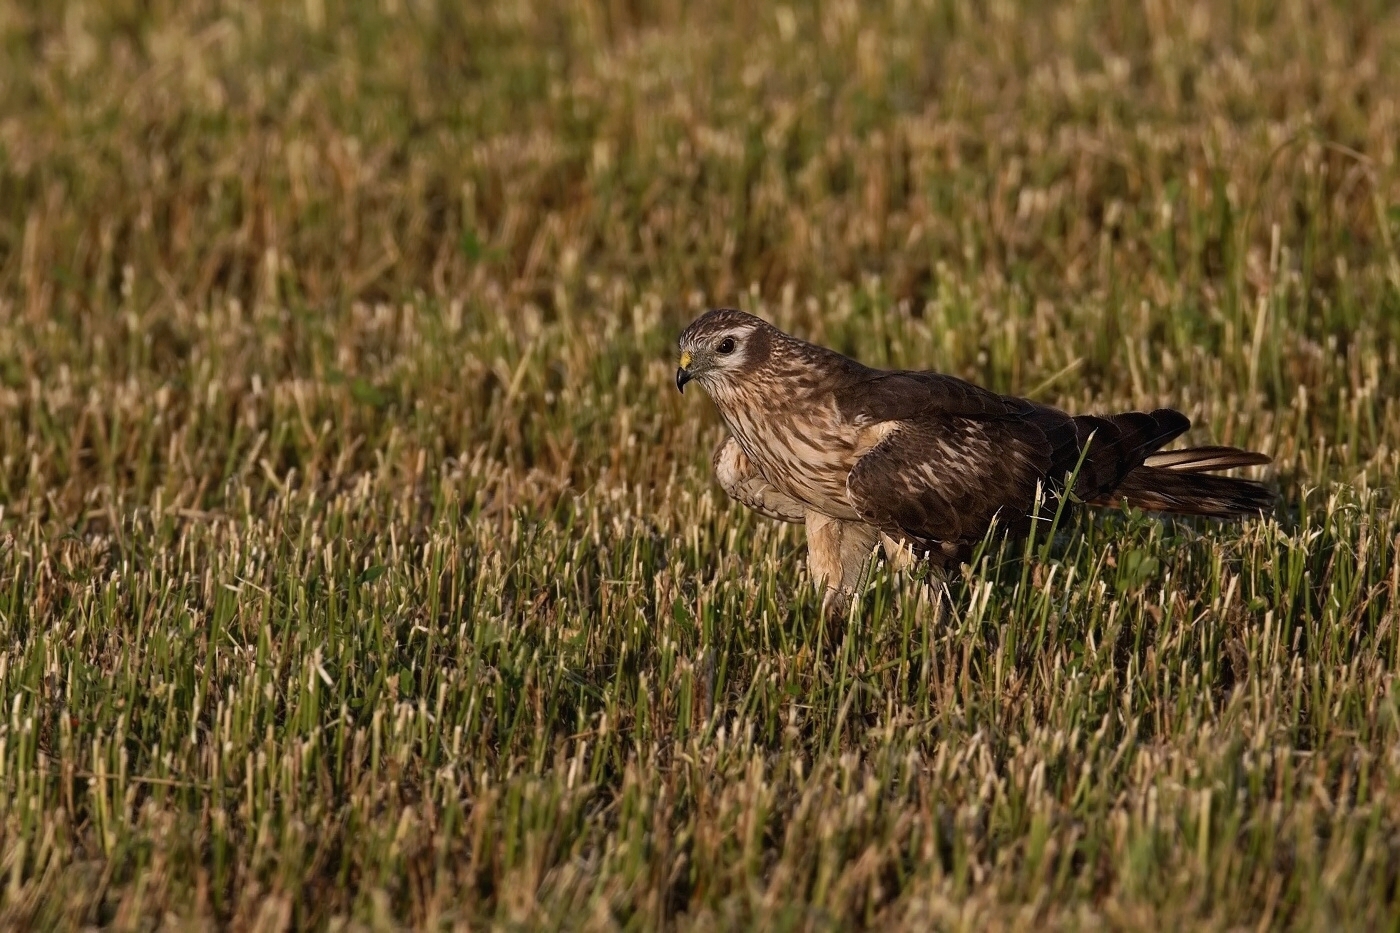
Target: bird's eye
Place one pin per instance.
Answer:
(726, 345)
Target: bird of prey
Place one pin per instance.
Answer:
(922, 463)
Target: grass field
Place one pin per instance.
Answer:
(361, 568)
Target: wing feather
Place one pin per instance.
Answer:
(960, 457)
(744, 483)
(939, 483)
(911, 396)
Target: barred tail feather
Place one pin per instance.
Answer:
(1205, 459)
(1177, 481)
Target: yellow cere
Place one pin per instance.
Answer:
(685, 359)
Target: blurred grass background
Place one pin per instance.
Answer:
(361, 568)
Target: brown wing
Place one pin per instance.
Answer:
(878, 396)
(961, 456)
(938, 483)
(954, 458)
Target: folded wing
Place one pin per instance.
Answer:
(739, 478)
(937, 484)
(948, 459)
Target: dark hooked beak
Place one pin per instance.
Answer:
(682, 377)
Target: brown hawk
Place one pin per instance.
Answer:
(920, 462)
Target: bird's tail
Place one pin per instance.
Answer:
(1125, 464)
(1185, 492)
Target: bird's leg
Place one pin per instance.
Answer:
(900, 555)
(903, 560)
(837, 554)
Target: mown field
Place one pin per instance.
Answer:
(360, 567)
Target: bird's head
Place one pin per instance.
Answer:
(720, 346)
